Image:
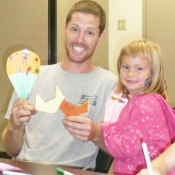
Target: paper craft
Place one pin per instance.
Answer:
(4, 166)
(52, 105)
(70, 109)
(22, 69)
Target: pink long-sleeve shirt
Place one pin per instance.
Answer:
(144, 116)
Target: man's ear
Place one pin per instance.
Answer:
(101, 37)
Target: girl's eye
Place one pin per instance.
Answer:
(139, 68)
(125, 67)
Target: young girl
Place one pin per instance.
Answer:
(146, 116)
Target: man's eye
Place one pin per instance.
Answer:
(74, 29)
(90, 33)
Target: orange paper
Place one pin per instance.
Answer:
(70, 109)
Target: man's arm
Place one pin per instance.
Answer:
(12, 140)
(12, 136)
(84, 129)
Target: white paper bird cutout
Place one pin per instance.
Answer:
(50, 106)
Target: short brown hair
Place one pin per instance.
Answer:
(88, 7)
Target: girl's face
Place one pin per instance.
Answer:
(133, 73)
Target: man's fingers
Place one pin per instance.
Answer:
(78, 119)
(76, 125)
(79, 137)
(76, 131)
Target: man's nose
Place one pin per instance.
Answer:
(80, 37)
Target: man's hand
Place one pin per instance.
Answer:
(84, 129)
(12, 136)
(21, 113)
(81, 128)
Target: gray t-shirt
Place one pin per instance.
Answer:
(46, 139)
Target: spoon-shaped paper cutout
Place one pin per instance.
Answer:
(22, 69)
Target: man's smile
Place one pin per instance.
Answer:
(78, 48)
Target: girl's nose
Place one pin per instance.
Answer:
(130, 72)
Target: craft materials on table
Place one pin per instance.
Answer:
(63, 172)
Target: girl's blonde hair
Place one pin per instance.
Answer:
(145, 49)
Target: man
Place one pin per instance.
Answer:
(37, 136)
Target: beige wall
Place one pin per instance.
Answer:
(160, 27)
(132, 12)
(23, 25)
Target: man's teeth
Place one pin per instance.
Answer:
(78, 49)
